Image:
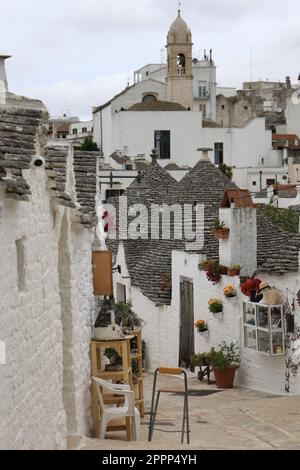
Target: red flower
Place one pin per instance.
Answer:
(249, 286)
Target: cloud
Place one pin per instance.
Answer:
(83, 51)
(78, 97)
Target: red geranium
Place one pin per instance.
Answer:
(249, 286)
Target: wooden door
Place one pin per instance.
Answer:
(186, 335)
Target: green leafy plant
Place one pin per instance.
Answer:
(201, 359)
(226, 170)
(125, 315)
(286, 219)
(227, 355)
(88, 145)
(218, 224)
(215, 305)
(206, 264)
(113, 356)
(235, 267)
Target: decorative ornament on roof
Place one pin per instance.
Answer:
(153, 155)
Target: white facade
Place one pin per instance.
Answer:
(226, 91)
(293, 114)
(204, 73)
(134, 131)
(80, 130)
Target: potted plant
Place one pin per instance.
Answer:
(234, 270)
(230, 292)
(214, 274)
(202, 326)
(223, 270)
(201, 359)
(215, 305)
(225, 361)
(250, 288)
(208, 265)
(219, 230)
(126, 317)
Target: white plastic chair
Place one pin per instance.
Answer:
(112, 412)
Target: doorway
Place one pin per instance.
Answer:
(186, 334)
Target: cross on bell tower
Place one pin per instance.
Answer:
(180, 75)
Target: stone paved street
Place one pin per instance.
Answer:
(229, 419)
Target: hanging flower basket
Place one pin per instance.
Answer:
(215, 306)
(221, 233)
(202, 327)
(230, 293)
(234, 270)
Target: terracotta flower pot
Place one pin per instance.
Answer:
(209, 268)
(221, 233)
(223, 270)
(224, 377)
(233, 272)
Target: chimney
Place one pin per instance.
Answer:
(3, 79)
(241, 246)
(288, 83)
(204, 150)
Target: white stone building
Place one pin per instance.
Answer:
(47, 215)
(254, 242)
(79, 131)
(172, 107)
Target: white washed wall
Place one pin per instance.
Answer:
(257, 371)
(33, 402)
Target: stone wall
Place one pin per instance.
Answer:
(45, 307)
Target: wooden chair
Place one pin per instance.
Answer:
(176, 371)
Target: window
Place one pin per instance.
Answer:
(245, 107)
(84, 129)
(202, 108)
(270, 182)
(203, 92)
(147, 74)
(219, 153)
(264, 328)
(254, 183)
(121, 292)
(162, 144)
(148, 98)
(74, 131)
(113, 193)
(181, 64)
(223, 106)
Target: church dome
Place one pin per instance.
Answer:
(179, 30)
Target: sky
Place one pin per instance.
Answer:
(76, 54)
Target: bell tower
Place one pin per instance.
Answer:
(180, 75)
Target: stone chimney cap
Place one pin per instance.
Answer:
(205, 149)
(4, 56)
